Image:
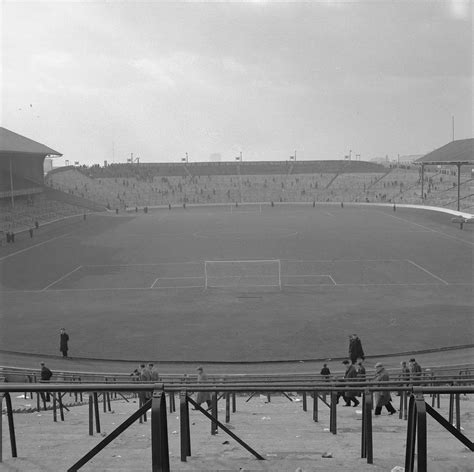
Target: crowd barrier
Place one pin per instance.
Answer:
(413, 408)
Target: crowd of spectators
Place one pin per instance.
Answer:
(129, 186)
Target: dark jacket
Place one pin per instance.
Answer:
(355, 350)
(350, 375)
(46, 374)
(63, 342)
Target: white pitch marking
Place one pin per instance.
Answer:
(428, 229)
(144, 265)
(153, 284)
(427, 271)
(334, 282)
(62, 278)
(34, 245)
(183, 277)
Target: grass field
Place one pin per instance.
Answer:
(133, 286)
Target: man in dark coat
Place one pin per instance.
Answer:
(63, 342)
(45, 376)
(355, 348)
(350, 375)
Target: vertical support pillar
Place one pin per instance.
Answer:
(421, 433)
(109, 406)
(55, 412)
(1, 427)
(234, 405)
(91, 416)
(96, 413)
(159, 433)
(367, 427)
(451, 408)
(333, 413)
(214, 413)
(227, 407)
(11, 425)
(315, 406)
(411, 436)
(458, 412)
(305, 407)
(184, 426)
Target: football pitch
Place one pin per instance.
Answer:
(146, 286)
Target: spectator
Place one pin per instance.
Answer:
(154, 376)
(415, 369)
(325, 372)
(350, 375)
(382, 398)
(45, 376)
(361, 369)
(203, 396)
(355, 348)
(63, 342)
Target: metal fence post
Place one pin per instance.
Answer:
(214, 413)
(411, 435)
(11, 425)
(315, 406)
(96, 412)
(333, 413)
(91, 416)
(184, 426)
(234, 406)
(227, 407)
(305, 408)
(159, 433)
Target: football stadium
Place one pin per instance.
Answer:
(268, 278)
(236, 236)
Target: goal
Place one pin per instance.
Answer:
(236, 274)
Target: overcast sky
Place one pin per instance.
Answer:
(100, 80)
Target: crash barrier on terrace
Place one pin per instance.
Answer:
(416, 425)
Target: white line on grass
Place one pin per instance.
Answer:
(153, 284)
(332, 279)
(34, 245)
(427, 228)
(427, 271)
(62, 278)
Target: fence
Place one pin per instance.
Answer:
(416, 417)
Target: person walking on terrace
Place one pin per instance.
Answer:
(351, 374)
(63, 342)
(382, 398)
(45, 376)
(355, 348)
(203, 397)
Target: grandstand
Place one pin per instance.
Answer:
(127, 186)
(24, 200)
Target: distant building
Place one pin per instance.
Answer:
(215, 157)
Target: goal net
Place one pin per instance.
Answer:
(230, 274)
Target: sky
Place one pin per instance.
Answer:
(98, 81)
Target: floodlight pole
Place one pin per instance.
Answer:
(459, 185)
(11, 183)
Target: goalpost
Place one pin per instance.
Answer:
(238, 274)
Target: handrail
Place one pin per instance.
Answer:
(254, 387)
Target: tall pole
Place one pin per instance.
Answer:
(459, 186)
(11, 183)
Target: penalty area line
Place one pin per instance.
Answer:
(62, 278)
(34, 245)
(427, 271)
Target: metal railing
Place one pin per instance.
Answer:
(416, 424)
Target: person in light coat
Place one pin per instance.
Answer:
(382, 398)
(203, 397)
